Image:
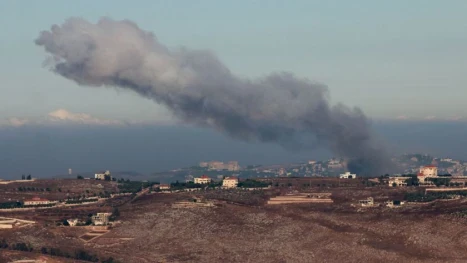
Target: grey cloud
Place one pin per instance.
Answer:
(199, 89)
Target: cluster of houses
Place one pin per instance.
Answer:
(227, 182)
(370, 202)
(424, 176)
(99, 219)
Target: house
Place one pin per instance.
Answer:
(38, 201)
(103, 175)
(101, 219)
(368, 202)
(230, 182)
(203, 180)
(164, 187)
(429, 171)
(73, 222)
(348, 175)
(398, 181)
(394, 203)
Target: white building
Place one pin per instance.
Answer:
(38, 201)
(102, 175)
(348, 175)
(429, 171)
(101, 219)
(164, 187)
(203, 180)
(73, 222)
(230, 182)
(398, 181)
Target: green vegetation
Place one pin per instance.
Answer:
(80, 201)
(48, 205)
(30, 189)
(250, 183)
(115, 214)
(431, 196)
(9, 205)
(412, 181)
(179, 186)
(133, 186)
(440, 181)
(79, 177)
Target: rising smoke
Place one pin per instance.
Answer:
(199, 89)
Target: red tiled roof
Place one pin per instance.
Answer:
(204, 176)
(430, 166)
(37, 199)
(420, 174)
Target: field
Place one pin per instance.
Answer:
(54, 189)
(241, 228)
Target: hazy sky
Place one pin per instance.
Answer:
(391, 58)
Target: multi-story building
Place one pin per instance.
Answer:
(102, 175)
(101, 219)
(204, 179)
(230, 182)
(428, 171)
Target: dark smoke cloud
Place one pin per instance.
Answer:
(199, 89)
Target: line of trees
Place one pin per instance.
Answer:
(34, 189)
(23, 177)
(9, 205)
(431, 196)
(78, 254)
(250, 183)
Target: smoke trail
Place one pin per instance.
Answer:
(199, 89)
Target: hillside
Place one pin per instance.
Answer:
(153, 231)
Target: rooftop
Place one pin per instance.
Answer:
(37, 199)
(231, 178)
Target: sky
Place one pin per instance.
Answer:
(400, 61)
(393, 59)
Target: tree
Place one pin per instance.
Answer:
(44, 250)
(109, 260)
(23, 177)
(29, 177)
(79, 177)
(394, 184)
(65, 222)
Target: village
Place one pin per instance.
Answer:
(100, 209)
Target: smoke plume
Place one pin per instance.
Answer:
(200, 90)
